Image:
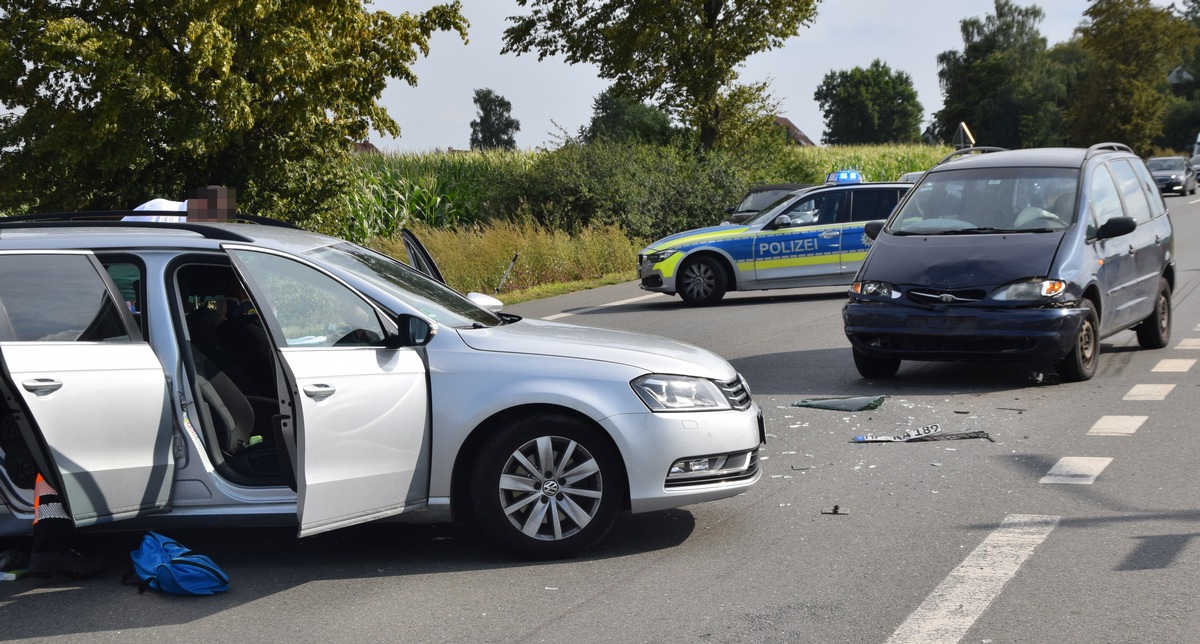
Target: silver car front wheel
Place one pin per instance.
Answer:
(547, 486)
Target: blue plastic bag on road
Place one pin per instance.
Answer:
(165, 565)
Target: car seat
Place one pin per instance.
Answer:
(243, 433)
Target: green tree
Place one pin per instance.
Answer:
(112, 102)
(678, 54)
(616, 118)
(873, 105)
(1003, 84)
(494, 126)
(1123, 94)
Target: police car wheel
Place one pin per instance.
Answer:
(547, 486)
(702, 281)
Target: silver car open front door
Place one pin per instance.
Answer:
(361, 434)
(90, 396)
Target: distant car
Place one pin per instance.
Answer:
(812, 237)
(911, 177)
(1196, 163)
(758, 198)
(1025, 256)
(1174, 175)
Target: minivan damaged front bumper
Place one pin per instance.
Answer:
(888, 330)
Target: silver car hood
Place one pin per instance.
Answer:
(649, 352)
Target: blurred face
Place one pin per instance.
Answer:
(214, 203)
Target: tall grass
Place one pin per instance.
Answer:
(477, 259)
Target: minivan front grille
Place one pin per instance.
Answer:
(932, 296)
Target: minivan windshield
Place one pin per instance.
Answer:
(433, 299)
(989, 200)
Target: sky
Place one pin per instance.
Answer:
(550, 97)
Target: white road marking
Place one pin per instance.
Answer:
(950, 610)
(1188, 343)
(1173, 365)
(589, 309)
(1117, 425)
(1076, 470)
(1149, 392)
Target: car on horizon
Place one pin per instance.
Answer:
(1174, 175)
(810, 237)
(368, 390)
(1028, 256)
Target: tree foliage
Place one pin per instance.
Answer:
(873, 105)
(1123, 96)
(113, 102)
(678, 54)
(616, 118)
(1004, 84)
(494, 127)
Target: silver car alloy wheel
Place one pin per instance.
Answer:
(551, 488)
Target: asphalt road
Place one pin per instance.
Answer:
(967, 540)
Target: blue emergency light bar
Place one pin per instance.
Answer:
(844, 176)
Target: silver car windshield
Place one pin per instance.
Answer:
(989, 200)
(433, 299)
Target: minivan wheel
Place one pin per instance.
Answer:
(875, 367)
(547, 486)
(1155, 331)
(1080, 364)
(702, 281)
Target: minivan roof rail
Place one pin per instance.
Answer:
(966, 151)
(1106, 147)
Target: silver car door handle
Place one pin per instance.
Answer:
(830, 233)
(319, 391)
(42, 386)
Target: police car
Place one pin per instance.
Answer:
(811, 237)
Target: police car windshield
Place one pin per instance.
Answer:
(983, 200)
(369, 270)
(780, 205)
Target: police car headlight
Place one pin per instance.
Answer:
(659, 255)
(663, 393)
(875, 288)
(1029, 290)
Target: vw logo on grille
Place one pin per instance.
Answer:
(550, 488)
(947, 298)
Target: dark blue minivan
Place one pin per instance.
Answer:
(1016, 255)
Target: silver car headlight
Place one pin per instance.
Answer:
(1029, 290)
(663, 393)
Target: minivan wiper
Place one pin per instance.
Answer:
(983, 230)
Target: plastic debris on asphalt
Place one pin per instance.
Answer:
(859, 403)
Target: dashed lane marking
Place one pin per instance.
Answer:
(1188, 343)
(950, 610)
(1148, 392)
(1117, 425)
(589, 309)
(1174, 366)
(1075, 470)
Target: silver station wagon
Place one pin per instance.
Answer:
(233, 374)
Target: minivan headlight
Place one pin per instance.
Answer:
(875, 288)
(663, 393)
(1029, 290)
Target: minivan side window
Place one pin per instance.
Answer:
(1136, 205)
(58, 298)
(1157, 205)
(1106, 202)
